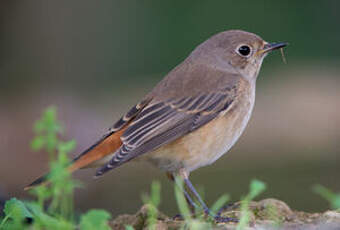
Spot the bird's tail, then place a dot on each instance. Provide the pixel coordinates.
(97, 155)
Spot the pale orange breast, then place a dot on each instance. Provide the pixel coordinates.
(205, 145)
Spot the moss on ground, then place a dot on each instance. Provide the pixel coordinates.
(265, 214)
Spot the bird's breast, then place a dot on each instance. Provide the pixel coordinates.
(208, 143)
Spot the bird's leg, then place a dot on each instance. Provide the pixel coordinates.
(207, 211)
(193, 206)
(185, 176)
(197, 196)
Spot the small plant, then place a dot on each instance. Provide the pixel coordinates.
(153, 202)
(327, 194)
(256, 188)
(273, 214)
(48, 129)
(16, 210)
(58, 213)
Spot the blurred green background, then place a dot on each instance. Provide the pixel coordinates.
(95, 59)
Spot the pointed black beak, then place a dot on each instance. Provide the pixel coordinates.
(273, 46)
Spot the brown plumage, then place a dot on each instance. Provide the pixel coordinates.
(193, 116)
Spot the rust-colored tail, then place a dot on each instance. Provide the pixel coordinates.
(91, 157)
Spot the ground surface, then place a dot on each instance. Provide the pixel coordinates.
(265, 214)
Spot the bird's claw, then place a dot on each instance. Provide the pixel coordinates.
(220, 219)
(177, 217)
(227, 206)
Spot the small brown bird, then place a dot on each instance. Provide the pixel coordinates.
(192, 117)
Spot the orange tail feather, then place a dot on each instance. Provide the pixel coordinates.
(104, 148)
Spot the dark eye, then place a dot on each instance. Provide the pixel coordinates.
(244, 50)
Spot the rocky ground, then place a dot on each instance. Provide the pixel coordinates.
(265, 214)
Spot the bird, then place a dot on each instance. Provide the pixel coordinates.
(190, 118)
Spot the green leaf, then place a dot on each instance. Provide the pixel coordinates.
(327, 194)
(155, 193)
(38, 143)
(45, 221)
(129, 227)
(256, 188)
(17, 212)
(42, 193)
(50, 115)
(34, 208)
(220, 202)
(66, 147)
(95, 219)
(336, 202)
(16, 209)
(324, 192)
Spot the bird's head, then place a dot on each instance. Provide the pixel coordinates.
(237, 50)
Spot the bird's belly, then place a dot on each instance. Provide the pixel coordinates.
(205, 145)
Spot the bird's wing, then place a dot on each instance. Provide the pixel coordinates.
(163, 121)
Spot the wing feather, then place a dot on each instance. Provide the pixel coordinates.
(162, 122)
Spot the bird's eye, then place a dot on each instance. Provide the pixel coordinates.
(244, 50)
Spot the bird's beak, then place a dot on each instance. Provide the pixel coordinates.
(273, 46)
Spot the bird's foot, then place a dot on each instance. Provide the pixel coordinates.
(225, 207)
(177, 217)
(221, 219)
(217, 218)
